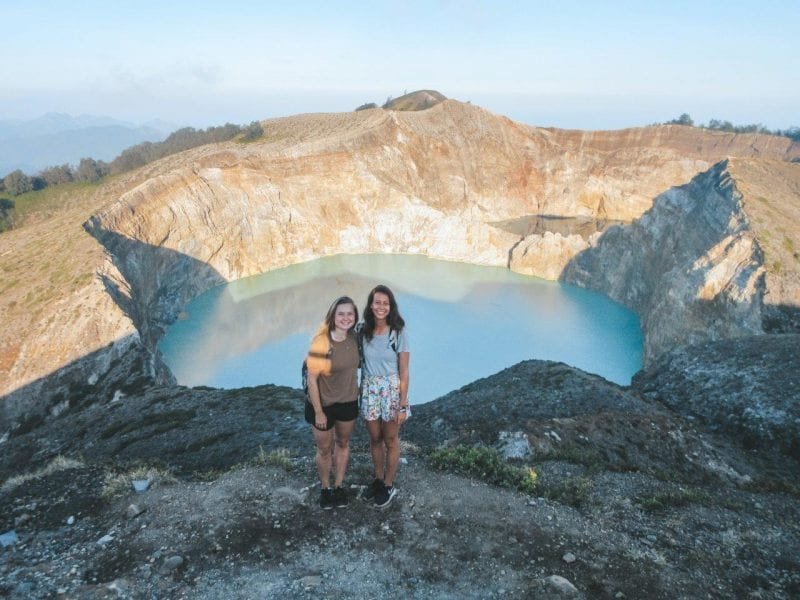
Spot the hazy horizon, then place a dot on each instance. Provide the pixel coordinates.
(578, 65)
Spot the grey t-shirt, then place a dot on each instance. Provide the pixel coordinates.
(379, 358)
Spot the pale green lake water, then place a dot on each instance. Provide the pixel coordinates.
(465, 322)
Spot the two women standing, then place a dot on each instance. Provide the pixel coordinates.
(333, 392)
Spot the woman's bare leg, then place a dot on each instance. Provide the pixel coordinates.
(376, 447)
(341, 456)
(324, 458)
(390, 431)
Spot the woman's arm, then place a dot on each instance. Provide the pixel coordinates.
(402, 371)
(320, 420)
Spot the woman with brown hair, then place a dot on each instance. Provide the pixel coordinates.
(332, 405)
(384, 389)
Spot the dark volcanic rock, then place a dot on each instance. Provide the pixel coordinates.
(187, 429)
(514, 399)
(749, 387)
(642, 498)
(571, 415)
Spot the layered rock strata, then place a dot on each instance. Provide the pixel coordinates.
(431, 182)
(435, 182)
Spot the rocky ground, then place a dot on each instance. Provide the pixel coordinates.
(630, 500)
(749, 388)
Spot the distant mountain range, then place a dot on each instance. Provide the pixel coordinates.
(58, 138)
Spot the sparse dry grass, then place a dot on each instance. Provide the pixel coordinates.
(677, 497)
(280, 457)
(48, 256)
(41, 205)
(771, 191)
(59, 463)
(119, 484)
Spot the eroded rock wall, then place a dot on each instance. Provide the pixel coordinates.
(434, 182)
(691, 267)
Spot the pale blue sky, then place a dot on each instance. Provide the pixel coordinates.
(587, 65)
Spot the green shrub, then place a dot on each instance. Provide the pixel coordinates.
(252, 132)
(572, 491)
(6, 214)
(485, 463)
(280, 457)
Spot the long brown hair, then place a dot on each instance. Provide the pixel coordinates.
(318, 359)
(393, 319)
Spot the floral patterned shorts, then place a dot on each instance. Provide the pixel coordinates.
(380, 397)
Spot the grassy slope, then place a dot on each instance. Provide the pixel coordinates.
(46, 257)
(771, 191)
(49, 256)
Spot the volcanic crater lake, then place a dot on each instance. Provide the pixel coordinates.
(465, 322)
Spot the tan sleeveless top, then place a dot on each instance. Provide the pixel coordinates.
(341, 384)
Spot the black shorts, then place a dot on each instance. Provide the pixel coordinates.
(341, 411)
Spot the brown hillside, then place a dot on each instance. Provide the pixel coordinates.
(419, 100)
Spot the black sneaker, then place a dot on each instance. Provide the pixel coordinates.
(326, 499)
(385, 496)
(369, 492)
(340, 497)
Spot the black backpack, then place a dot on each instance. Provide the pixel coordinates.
(304, 369)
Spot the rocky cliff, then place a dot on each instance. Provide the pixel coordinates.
(435, 182)
(690, 267)
(704, 262)
(453, 182)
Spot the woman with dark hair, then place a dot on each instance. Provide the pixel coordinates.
(333, 396)
(384, 389)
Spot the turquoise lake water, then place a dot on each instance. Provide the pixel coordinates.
(465, 322)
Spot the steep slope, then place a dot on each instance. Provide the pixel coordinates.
(701, 264)
(54, 309)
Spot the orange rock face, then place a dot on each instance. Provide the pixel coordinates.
(435, 182)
